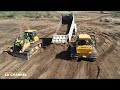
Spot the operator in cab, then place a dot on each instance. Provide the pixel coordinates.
(18, 44)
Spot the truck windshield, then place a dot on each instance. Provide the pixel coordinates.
(84, 42)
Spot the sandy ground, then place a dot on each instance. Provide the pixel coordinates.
(53, 62)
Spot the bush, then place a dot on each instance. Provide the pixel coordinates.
(30, 14)
(11, 14)
(101, 12)
(48, 14)
(115, 13)
(8, 14)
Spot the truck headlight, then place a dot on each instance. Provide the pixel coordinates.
(90, 52)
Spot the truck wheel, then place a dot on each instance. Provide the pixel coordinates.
(92, 59)
(74, 59)
(79, 59)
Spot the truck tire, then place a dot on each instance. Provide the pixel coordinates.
(74, 60)
(92, 59)
(79, 59)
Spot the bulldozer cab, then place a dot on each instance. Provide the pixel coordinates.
(31, 36)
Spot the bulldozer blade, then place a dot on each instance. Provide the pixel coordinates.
(23, 56)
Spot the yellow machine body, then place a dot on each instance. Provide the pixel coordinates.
(31, 44)
(84, 50)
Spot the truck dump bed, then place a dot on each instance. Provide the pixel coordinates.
(65, 29)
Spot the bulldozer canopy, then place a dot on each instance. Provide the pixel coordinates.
(30, 30)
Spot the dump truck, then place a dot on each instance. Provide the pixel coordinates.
(84, 46)
(66, 29)
(79, 45)
(29, 46)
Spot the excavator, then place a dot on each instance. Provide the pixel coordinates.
(29, 46)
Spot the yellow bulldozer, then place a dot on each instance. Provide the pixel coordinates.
(83, 47)
(26, 46)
